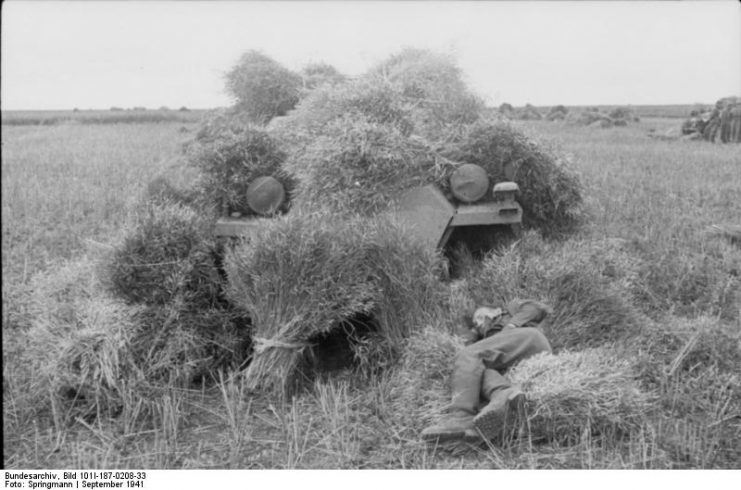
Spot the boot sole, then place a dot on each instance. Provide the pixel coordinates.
(444, 436)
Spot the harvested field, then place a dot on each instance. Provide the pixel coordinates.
(325, 337)
(645, 252)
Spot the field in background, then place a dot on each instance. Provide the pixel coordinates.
(141, 116)
(117, 116)
(653, 111)
(66, 187)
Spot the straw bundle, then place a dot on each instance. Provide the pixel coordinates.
(528, 113)
(304, 276)
(573, 392)
(583, 282)
(94, 354)
(262, 87)
(550, 192)
(359, 165)
(557, 113)
(166, 253)
(374, 102)
(624, 114)
(230, 156)
(432, 86)
(317, 74)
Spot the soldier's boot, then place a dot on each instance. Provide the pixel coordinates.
(501, 412)
(456, 426)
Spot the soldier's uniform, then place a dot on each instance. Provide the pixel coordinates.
(478, 369)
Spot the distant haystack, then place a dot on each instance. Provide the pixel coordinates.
(557, 113)
(506, 109)
(625, 114)
(602, 123)
(528, 113)
(591, 118)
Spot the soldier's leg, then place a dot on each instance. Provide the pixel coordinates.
(492, 381)
(505, 401)
(497, 352)
(466, 383)
(509, 347)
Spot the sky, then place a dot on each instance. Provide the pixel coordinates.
(99, 54)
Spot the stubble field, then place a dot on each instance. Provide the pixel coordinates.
(65, 193)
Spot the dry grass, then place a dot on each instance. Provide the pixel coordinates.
(592, 390)
(166, 253)
(420, 388)
(306, 276)
(230, 155)
(550, 190)
(90, 355)
(357, 167)
(51, 118)
(645, 241)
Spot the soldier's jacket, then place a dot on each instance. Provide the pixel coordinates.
(518, 313)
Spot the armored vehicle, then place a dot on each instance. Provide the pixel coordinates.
(430, 213)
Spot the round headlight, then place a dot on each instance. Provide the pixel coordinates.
(265, 195)
(469, 182)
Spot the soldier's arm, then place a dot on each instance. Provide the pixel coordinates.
(526, 311)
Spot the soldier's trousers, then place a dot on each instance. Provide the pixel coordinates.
(478, 368)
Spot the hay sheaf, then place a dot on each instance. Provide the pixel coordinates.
(165, 252)
(359, 166)
(582, 281)
(551, 193)
(572, 392)
(557, 113)
(304, 276)
(262, 87)
(527, 113)
(357, 100)
(81, 361)
(230, 156)
(405, 123)
(432, 86)
(96, 355)
(317, 74)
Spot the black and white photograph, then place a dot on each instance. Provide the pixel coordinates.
(369, 235)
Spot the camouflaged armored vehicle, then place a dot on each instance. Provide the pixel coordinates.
(431, 214)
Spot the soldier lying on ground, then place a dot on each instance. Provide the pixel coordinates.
(500, 340)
